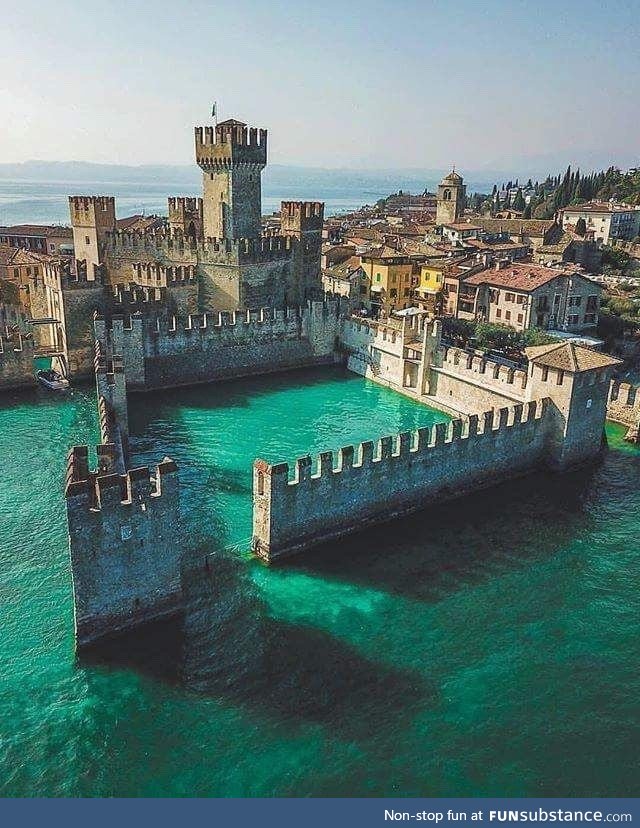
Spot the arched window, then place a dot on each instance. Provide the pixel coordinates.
(446, 196)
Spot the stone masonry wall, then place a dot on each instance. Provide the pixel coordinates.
(16, 360)
(124, 546)
(169, 352)
(405, 473)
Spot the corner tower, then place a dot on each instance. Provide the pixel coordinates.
(451, 196)
(231, 157)
(92, 217)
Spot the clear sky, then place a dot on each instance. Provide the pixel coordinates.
(349, 83)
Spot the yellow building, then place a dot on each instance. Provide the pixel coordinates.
(429, 285)
(391, 279)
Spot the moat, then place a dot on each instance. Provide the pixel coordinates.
(486, 647)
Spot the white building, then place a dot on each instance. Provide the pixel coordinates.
(607, 220)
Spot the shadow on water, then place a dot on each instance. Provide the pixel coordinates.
(228, 647)
(433, 553)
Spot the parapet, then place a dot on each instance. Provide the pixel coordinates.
(92, 211)
(228, 144)
(98, 492)
(153, 274)
(301, 216)
(461, 362)
(404, 445)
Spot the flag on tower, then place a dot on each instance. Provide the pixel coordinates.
(213, 110)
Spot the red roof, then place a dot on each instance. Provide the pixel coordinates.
(520, 275)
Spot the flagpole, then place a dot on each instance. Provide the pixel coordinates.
(214, 113)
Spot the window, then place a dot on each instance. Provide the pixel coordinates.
(393, 293)
(520, 299)
(590, 318)
(520, 317)
(378, 277)
(406, 292)
(560, 377)
(545, 373)
(498, 313)
(87, 240)
(507, 315)
(16, 272)
(509, 297)
(574, 318)
(575, 301)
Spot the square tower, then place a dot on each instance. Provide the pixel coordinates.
(231, 157)
(92, 217)
(450, 201)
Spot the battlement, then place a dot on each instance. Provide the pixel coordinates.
(153, 274)
(60, 274)
(124, 540)
(376, 481)
(132, 297)
(95, 491)
(92, 211)
(172, 244)
(492, 372)
(229, 144)
(301, 216)
(184, 204)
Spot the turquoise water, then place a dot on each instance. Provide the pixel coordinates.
(487, 647)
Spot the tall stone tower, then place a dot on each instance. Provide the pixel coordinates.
(451, 196)
(92, 217)
(304, 221)
(231, 158)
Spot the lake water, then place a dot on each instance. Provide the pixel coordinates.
(46, 201)
(488, 647)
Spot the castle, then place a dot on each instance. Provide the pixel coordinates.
(206, 297)
(209, 256)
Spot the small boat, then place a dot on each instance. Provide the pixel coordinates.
(52, 380)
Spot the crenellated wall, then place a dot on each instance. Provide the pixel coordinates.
(166, 352)
(124, 543)
(124, 530)
(371, 483)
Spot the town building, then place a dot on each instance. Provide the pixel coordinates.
(524, 295)
(607, 220)
(391, 280)
(51, 239)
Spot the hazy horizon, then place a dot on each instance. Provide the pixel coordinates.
(373, 85)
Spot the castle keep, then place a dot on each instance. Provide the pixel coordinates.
(211, 255)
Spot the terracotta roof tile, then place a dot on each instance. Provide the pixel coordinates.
(567, 356)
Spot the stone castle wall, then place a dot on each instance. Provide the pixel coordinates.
(16, 359)
(166, 352)
(374, 483)
(623, 406)
(124, 546)
(124, 524)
